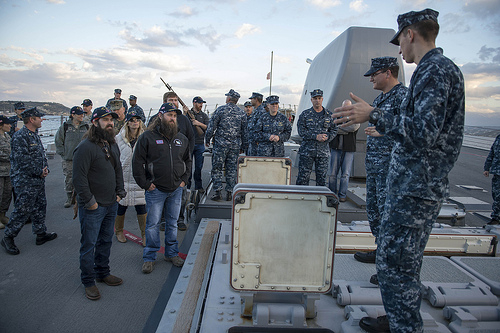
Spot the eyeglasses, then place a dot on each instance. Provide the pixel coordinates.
(377, 73)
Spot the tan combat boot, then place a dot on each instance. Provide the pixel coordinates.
(119, 222)
(142, 225)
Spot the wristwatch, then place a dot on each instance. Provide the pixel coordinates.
(375, 116)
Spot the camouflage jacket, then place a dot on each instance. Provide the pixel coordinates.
(228, 127)
(257, 112)
(428, 132)
(18, 122)
(268, 125)
(378, 149)
(4, 155)
(312, 123)
(27, 158)
(492, 163)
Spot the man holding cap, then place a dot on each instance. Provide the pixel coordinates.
(136, 109)
(118, 97)
(383, 75)
(316, 128)
(98, 182)
(427, 135)
(68, 136)
(18, 109)
(258, 110)
(272, 130)
(228, 128)
(87, 108)
(161, 165)
(28, 171)
(201, 121)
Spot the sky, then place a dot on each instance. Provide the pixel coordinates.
(65, 51)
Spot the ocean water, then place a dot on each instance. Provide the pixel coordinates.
(50, 125)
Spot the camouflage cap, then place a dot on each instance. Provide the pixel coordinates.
(118, 91)
(273, 99)
(32, 112)
(5, 120)
(115, 105)
(256, 95)
(86, 102)
(132, 97)
(233, 94)
(198, 99)
(412, 17)
(77, 110)
(19, 106)
(381, 63)
(247, 103)
(102, 112)
(168, 107)
(316, 92)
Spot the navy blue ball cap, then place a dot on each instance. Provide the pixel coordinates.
(412, 17)
(102, 112)
(381, 63)
(198, 99)
(316, 92)
(86, 102)
(132, 97)
(233, 94)
(19, 106)
(5, 120)
(248, 103)
(255, 95)
(77, 110)
(273, 99)
(132, 114)
(168, 107)
(118, 91)
(32, 112)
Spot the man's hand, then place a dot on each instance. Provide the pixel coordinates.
(371, 131)
(93, 207)
(118, 198)
(353, 114)
(45, 172)
(182, 184)
(185, 108)
(486, 173)
(151, 187)
(196, 122)
(321, 137)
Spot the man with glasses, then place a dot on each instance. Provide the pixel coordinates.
(87, 108)
(98, 182)
(383, 75)
(29, 168)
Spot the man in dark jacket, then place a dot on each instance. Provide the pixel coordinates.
(98, 182)
(161, 165)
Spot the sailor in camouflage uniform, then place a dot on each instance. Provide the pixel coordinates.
(228, 128)
(135, 109)
(258, 110)
(492, 166)
(317, 129)
(118, 95)
(383, 74)
(428, 135)
(272, 130)
(28, 171)
(18, 109)
(249, 111)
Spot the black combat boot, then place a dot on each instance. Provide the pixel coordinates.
(229, 196)
(367, 257)
(216, 196)
(9, 245)
(45, 237)
(375, 325)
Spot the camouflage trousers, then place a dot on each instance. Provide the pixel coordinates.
(228, 158)
(495, 192)
(30, 203)
(5, 193)
(404, 232)
(305, 168)
(376, 191)
(67, 167)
